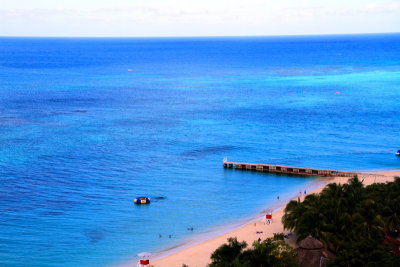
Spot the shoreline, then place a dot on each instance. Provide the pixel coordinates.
(231, 226)
(197, 251)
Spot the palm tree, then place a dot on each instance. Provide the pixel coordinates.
(293, 212)
(226, 254)
(347, 214)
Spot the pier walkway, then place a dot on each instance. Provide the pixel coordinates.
(285, 169)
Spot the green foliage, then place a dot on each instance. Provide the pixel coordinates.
(272, 252)
(227, 253)
(279, 236)
(351, 220)
(366, 253)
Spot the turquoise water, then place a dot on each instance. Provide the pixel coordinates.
(88, 124)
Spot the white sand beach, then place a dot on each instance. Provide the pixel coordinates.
(199, 255)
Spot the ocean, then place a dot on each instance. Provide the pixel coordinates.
(88, 124)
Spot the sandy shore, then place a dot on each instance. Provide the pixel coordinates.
(199, 255)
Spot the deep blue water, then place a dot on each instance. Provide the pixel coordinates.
(86, 125)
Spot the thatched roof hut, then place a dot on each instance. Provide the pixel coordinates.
(311, 253)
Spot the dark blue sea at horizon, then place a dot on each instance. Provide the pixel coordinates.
(86, 125)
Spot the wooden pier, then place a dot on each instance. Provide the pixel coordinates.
(285, 169)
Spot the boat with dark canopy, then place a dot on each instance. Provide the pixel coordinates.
(142, 200)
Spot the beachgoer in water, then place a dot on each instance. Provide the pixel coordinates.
(159, 235)
(305, 192)
(277, 197)
(169, 236)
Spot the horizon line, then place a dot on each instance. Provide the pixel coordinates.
(197, 36)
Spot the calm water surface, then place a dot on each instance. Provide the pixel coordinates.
(86, 125)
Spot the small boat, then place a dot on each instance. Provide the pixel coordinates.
(142, 200)
(398, 153)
